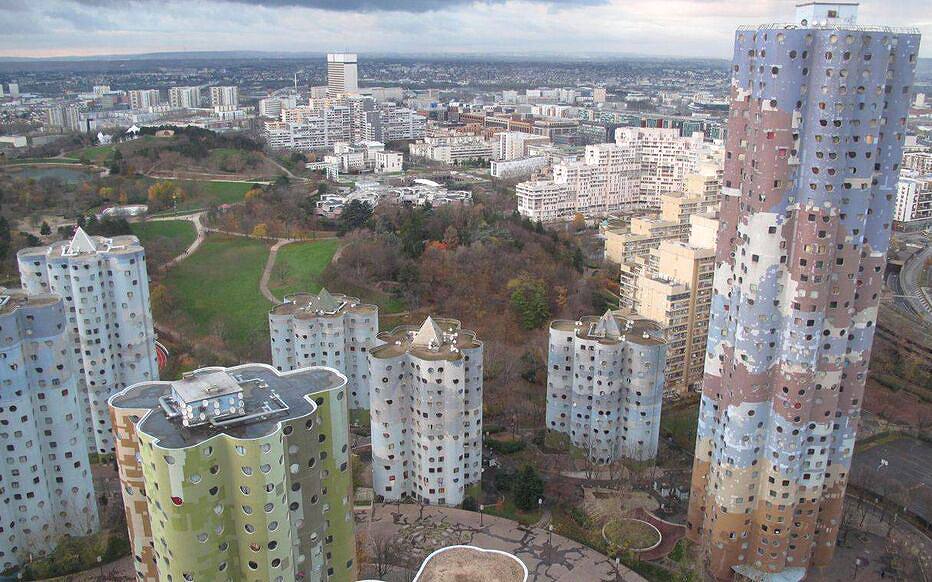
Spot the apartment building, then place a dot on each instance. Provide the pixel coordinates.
(325, 329)
(605, 385)
(513, 145)
(184, 97)
(46, 476)
(309, 130)
(913, 198)
(451, 148)
(918, 161)
(631, 173)
(673, 287)
(239, 473)
(342, 74)
(224, 97)
(144, 98)
(105, 286)
(665, 159)
(272, 107)
(517, 167)
(818, 117)
(425, 387)
(643, 233)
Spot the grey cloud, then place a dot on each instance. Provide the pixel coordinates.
(378, 5)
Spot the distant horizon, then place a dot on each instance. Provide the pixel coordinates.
(72, 29)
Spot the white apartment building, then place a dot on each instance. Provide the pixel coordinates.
(105, 286)
(321, 329)
(366, 156)
(342, 75)
(913, 197)
(48, 488)
(513, 145)
(184, 97)
(386, 121)
(311, 130)
(605, 385)
(517, 167)
(452, 148)
(226, 97)
(425, 386)
(631, 173)
(272, 107)
(388, 162)
(919, 161)
(64, 116)
(144, 98)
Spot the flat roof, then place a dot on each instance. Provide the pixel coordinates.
(435, 339)
(13, 299)
(258, 381)
(628, 325)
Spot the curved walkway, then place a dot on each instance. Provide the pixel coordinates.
(199, 228)
(269, 265)
(548, 558)
(670, 534)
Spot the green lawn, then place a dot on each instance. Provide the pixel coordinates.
(217, 288)
(23, 161)
(97, 154)
(298, 266)
(203, 194)
(180, 232)
(681, 424)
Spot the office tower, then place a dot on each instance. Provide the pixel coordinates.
(342, 77)
(144, 98)
(184, 97)
(14, 90)
(815, 134)
(425, 386)
(224, 97)
(326, 330)
(238, 473)
(48, 491)
(105, 286)
(672, 285)
(605, 385)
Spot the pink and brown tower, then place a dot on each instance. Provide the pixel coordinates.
(815, 137)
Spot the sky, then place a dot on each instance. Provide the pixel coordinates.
(677, 28)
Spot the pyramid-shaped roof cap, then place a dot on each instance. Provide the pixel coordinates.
(430, 334)
(327, 302)
(82, 243)
(608, 326)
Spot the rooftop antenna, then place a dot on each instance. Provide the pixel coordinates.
(296, 82)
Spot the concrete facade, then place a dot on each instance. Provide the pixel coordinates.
(815, 135)
(336, 331)
(605, 385)
(48, 490)
(105, 287)
(238, 473)
(426, 416)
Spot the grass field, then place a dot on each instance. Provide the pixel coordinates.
(24, 161)
(97, 154)
(181, 232)
(217, 288)
(681, 424)
(298, 266)
(203, 194)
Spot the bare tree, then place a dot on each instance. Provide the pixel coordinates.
(382, 549)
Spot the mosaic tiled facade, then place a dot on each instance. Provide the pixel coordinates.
(238, 474)
(815, 136)
(605, 385)
(326, 329)
(105, 286)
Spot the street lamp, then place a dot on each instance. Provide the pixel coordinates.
(100, 564)
(481, 507)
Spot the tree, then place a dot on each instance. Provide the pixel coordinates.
(529, 299)
(579, 221)
(45, 229)
(528, 487)
(383, 548)
(261, 230)
(355, 215)
(164, 193)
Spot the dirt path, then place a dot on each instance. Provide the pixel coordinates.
(269, 265)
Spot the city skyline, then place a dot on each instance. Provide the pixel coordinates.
(701, 28)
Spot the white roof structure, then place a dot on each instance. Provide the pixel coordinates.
(81, 243)
(430, 334)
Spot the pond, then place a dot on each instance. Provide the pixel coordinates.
(65, 174)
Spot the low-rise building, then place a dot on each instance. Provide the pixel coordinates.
(238, 472)
(426, 417)
(452, 148)
(517, 167)
(321, 329)
(605, 385)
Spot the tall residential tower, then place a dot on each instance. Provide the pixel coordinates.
(426, 417)
(815, 136)
(342, 77)
(238, 473)
(105, 286)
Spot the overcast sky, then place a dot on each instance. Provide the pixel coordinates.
(650, 27)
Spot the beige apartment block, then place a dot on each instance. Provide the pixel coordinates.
(644, 233)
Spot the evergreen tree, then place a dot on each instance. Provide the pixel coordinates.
(528, 487)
